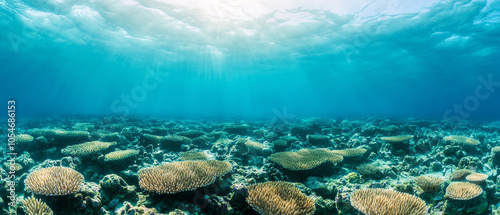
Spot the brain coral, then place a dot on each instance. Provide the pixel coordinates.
(350, 152)
(181, 176)
(429, 183)
(119, 155)
(397, 139)
(54, 181)
(279, 197)
(305, 159)
(87, 148)
(33, 206)
(463, 191)
(461, 139)
(385, 201)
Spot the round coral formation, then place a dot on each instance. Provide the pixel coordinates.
(305, 159)
(384, 201)
(429, 183)
(279, 197)
(54, 181)
(24, 138)
(476, 178)
(181, 176)
(34, 206)
(463, 191)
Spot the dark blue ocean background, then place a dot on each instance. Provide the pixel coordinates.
(252, 59)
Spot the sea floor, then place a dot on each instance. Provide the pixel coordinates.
(141, 165)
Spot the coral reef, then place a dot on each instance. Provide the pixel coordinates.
(140, 165)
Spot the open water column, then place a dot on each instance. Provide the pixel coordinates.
(250, 107)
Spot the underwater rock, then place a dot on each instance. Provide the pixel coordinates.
(301, 131)
(237, 129)
(174, 142)
(319, 140)
(129, 209)
(370, 130)
(203, 142)
(191, 133)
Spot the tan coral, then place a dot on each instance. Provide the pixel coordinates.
(460, 174)
(476, 178)
(181, 176)
(429, 183)
(87, 148)
(152, 138)
(305, 159)
(254, 146)
(397, 139)
(385, 201)
(24, 138)
(34, 206)
(120, 155)
(54, 181)
(350, 152)
(279, 197)
(16, 167)
(457, 139)
(463, 191)
(495, 150)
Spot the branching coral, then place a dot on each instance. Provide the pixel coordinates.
(350, 152)
(463, 191)
(54, 181)
(397, 139)
(457, 139)
(24, 138)
(119, 155)
(193, 156)
(279, 197)
(34, 206)
(181, 176)
(87, 148)
(476, 178)
(429, 183)
(384, 201)
(305, 159)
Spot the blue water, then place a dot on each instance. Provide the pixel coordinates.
(252, 59)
